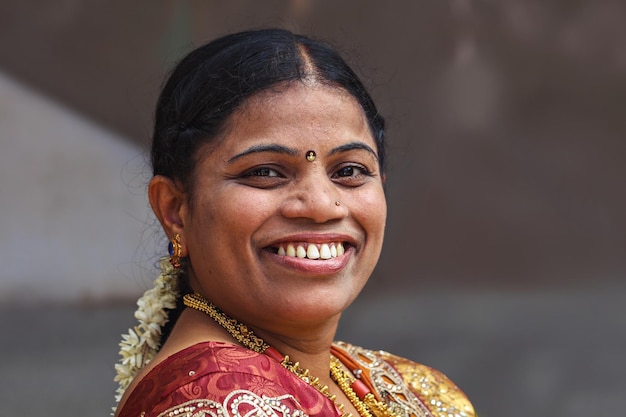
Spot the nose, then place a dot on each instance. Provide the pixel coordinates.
(316, 198)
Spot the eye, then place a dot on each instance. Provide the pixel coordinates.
(262, 172)
(351, 171)
(352, 175)
(262, 177)
(348, 171)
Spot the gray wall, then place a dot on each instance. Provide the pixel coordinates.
(73, 204)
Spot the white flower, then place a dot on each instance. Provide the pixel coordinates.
(142, 342)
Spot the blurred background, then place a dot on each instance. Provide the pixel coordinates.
(504, 258)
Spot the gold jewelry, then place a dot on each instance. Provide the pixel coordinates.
(175, 249)
(239, 331)
(369, 404)
(310, 156)
(244, 335)
(337, 203)
(343, 380)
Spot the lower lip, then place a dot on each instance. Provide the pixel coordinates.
(314, 266)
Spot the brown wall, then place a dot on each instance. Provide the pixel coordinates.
(506, 118)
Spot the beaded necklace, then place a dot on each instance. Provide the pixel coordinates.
(355, 390)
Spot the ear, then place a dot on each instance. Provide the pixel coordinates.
(169, 204)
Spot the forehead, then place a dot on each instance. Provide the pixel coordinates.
(299, 115)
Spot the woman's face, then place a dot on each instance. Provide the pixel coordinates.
(259, 205)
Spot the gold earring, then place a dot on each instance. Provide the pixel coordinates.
(175, 249)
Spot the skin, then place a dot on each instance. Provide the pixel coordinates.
(254, 190)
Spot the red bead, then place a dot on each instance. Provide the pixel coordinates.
(360, 388)
(274, 354)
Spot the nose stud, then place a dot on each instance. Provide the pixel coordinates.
(337, 203)
(310, 156)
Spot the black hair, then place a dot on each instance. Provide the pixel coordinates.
(213, 81)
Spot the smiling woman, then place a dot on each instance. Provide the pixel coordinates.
(268, 158)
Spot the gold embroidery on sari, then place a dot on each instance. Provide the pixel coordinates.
(410, 389)
(440, 394)
(388, 383)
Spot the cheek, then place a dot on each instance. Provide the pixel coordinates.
(240, 212)
(372, 212)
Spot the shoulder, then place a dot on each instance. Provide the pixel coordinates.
(390, 375)
(215, 377)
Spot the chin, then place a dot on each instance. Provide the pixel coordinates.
(317, 306)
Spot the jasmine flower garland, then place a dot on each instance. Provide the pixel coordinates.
(139, 346)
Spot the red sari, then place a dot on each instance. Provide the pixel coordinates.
(222, 379)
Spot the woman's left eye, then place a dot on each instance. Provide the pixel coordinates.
(352, 171)
(351, 175)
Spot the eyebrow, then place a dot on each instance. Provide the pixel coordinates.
(351, 146)
(294, 152)
(265, 148)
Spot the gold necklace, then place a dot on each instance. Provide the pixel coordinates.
(366, 406)
(246, 337)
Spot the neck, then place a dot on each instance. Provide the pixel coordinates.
(309, 346)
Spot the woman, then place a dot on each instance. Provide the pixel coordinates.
(268, 158)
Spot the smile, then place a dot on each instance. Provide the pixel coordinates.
(312, 251)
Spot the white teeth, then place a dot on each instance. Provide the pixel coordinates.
(313, 251)
(324, 251)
